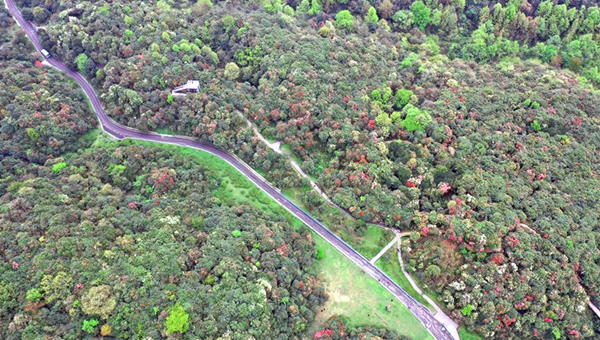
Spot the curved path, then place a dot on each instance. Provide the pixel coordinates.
(120, 132)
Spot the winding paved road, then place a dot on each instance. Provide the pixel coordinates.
(120, 132)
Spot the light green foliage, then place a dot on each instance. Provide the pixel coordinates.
(206, 3)
(81, 59)
(372, 15)
(166, 37)
(402, 97)
(386, 94)
(383, 120)
(33, 295)
(324, 31)
(345, 20)
(178, 320)
(104, 9)
(229, 22)
(89, 326)
(303, 7)
(273, 6)
(170, 99)
(556, 333)
(236, 233)
(315, 7)
(536, 126)
(467, 310)
(289, 10)
(58, 167)
(232, 71)
(99, 301)
(416, 119)
(33, 134)
(409, 60)
(320, 253)
(128, 20)
(128, 35)
(421, 14)
(56, 287)
(376, 96)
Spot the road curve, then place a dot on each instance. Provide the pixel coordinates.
(121, 132)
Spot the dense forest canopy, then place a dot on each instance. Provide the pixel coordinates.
(473, 123)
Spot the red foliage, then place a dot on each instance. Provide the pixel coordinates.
(410, 184)
(38, 63)
(498, 259)
(371, 124)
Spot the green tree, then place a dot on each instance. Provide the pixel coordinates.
(421, 14)
(177, 320)
(33, 134)
(232, 71)
(372, 15)
(303, 7)
(89, 326)
(345, 20)
(33, 295)
(416, 119)
(315, 7)
(81, 59)
(402, 97)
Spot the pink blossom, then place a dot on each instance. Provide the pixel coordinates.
(79, 286)
(445, 187)
(15, 264)
(326, 332)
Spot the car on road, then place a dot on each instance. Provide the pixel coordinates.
(46, 54)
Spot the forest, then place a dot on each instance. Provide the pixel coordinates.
(474, 124)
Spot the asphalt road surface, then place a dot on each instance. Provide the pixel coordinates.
(119, 131)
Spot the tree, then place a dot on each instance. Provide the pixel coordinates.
(81, 60)
(345, 20)
(232, 71)
(315, 7)
(421, 14)
(402, 97)
(178, 320)
(415, 119)
(372, 16)
(386, 8)
(303, 7)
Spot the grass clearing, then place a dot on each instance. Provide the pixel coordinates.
(354, 294)
(466, 334)
(390, 265)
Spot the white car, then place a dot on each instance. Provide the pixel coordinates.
(46, 54)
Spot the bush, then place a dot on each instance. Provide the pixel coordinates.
(178, 320)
